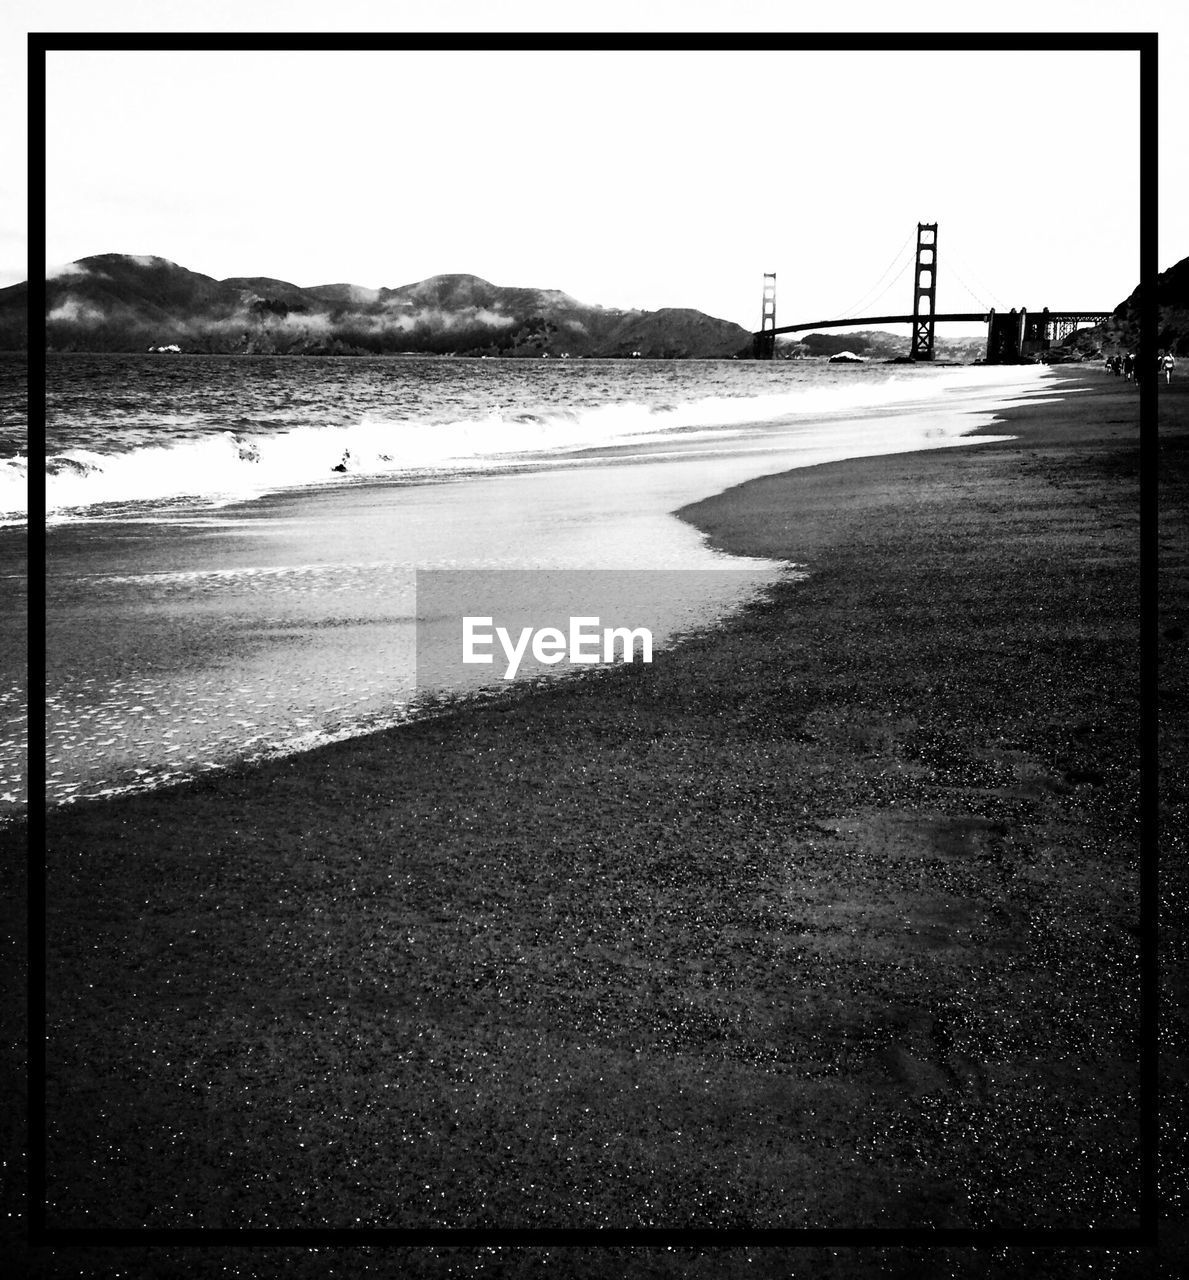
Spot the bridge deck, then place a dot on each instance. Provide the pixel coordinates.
(967, 317)
(841, 324)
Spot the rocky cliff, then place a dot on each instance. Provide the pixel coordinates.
(1121, 332)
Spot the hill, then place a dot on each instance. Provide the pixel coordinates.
(1121, 332)
(880, 344)
(121, 302)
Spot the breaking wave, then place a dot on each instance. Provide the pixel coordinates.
(218, 464)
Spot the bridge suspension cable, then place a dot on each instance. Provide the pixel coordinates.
(896, 282)
(977, 298)
(986, 292)
(869, 298)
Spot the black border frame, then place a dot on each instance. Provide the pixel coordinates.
(1144, 1235)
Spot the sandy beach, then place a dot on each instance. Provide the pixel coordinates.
(184, 638)
(829, 918)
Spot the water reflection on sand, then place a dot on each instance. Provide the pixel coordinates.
(272, 625)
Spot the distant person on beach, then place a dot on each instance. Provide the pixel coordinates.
(1168, 364)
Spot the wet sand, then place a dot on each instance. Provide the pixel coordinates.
(828, 919)
(177, 648)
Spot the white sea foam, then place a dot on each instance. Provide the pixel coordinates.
(14, 489)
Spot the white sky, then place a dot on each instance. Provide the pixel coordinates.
(631, 179)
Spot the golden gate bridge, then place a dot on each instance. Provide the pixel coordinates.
(1011, 336)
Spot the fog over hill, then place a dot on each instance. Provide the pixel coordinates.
(121, 302)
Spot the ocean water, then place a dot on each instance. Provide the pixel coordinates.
(233, 543)
(140, 435)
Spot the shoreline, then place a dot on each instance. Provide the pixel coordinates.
(854, 871)
(164, 643)
(231, 483)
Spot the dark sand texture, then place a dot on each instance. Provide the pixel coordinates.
(827, 919)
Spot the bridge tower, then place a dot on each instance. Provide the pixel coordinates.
(924, 293)
(765, 343)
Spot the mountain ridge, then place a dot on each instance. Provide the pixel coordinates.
(125, 302)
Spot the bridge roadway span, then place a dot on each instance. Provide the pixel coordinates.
(982, 317)
(839, 324)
